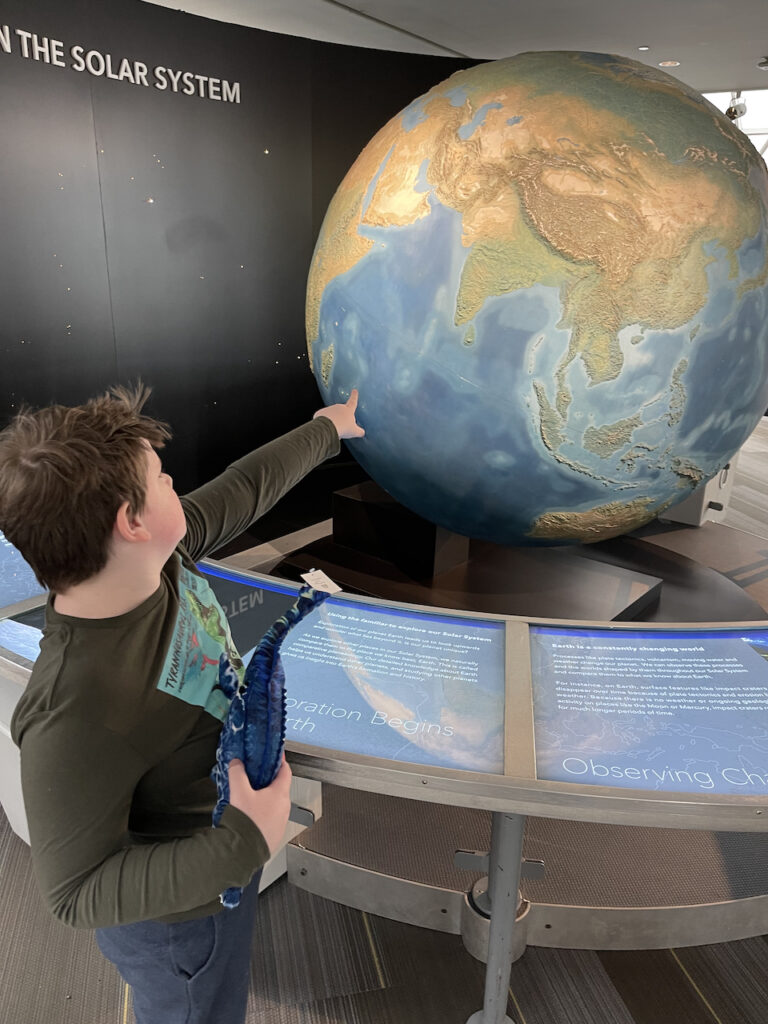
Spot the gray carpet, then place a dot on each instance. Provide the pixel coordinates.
(317, 962)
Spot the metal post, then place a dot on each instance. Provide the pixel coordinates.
(503, 889)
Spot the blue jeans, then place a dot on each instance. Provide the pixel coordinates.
(190, 972)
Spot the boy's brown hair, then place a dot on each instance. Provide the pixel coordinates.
(64, 473)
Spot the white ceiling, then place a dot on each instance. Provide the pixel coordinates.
(718, 42)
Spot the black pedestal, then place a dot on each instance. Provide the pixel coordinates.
(382, 549)
(367, 519)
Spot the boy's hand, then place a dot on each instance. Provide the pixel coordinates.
(343, 417)
(267, 808)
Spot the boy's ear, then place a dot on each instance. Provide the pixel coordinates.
(129, 526)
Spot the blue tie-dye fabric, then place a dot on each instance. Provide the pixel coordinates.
(254, 729)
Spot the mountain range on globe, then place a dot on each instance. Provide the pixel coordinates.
(548, 279)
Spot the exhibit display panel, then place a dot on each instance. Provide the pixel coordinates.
(649, 725)
(671, 710)
(21, 611)
(17, 581)
(602, 724)
(20, 639)
(378, 680)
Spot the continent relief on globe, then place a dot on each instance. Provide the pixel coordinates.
(623, 193)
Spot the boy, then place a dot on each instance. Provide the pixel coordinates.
(119, 724)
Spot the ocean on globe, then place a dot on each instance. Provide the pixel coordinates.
(548, 279)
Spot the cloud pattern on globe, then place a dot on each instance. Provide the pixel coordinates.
(548, 279)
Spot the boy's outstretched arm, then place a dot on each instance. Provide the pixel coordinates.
(221, 510)
(343, 417)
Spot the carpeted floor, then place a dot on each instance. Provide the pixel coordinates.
(317, 962)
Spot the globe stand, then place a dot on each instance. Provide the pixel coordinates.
(366, 518)
(379, 547)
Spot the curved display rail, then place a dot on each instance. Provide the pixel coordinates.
(530, 672)
(502, 714)
(474, 710)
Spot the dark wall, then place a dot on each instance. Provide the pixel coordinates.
(147, 233)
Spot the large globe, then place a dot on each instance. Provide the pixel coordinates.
(548, 279)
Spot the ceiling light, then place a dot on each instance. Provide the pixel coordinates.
(763, 64)
(669, 63)
(643, 47)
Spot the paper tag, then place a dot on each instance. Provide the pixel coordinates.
(317, 579)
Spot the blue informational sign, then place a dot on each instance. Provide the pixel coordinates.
(17, 581)
(682, 711)
(20, 638)
(386, 682)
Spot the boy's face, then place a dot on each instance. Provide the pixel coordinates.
(163, 514)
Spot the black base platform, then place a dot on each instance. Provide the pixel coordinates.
(383, 550)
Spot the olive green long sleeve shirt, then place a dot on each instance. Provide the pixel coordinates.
(119, 725)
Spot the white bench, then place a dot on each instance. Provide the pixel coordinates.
(12, 684)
